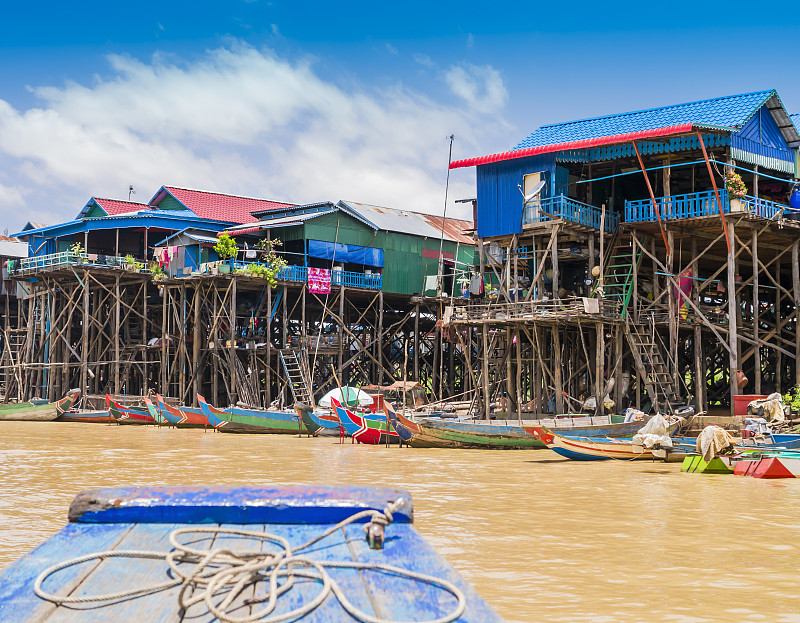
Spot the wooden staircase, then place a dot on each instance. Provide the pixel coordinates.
(14, 341)
(297, 375)
(658, 380)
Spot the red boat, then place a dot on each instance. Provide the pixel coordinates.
(128, 415)
(183, 417)
(374, 429)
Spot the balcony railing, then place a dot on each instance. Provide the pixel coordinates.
(54, 261)
(346, 278)
(694, 205)
(562, 207)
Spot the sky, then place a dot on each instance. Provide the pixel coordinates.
(307, 101)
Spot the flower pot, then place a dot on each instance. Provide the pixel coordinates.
(224, 269)
(736, 205)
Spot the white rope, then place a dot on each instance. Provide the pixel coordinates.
(220, 575)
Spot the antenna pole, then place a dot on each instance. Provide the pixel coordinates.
(440, 270)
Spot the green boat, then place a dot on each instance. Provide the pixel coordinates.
(240, 420)
(39, 410)
(694, 464)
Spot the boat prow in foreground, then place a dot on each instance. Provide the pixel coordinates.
(109, 521)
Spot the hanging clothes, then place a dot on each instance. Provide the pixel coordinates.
(319, 280)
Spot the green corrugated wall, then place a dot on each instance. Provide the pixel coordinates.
(404, 268)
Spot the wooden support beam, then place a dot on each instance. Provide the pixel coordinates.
(652, 195)
(733, 319)
(796, 292)
(716, 192)
(756, 311)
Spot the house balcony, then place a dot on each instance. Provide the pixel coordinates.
(346, 278)
(563, 208)
(65, 259)
(697, 205)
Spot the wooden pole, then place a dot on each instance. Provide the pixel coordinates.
(652, 195)
(728, 238)
(234, 387)
(518, 383)
(485, 371)
(733, 318)
(756, 313)
(196, 337)
(554, 260)
(559, 386)
(796, 293)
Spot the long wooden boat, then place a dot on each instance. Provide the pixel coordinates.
(124, 414)
(39, 411)
(101, 416)
(238, 420)
(431, 433)
(118, 520)
(595, 448)
(374, 429)
(318, 424)
(182, 417)
(153, 411)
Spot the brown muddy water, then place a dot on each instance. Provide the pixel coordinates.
(542, 539)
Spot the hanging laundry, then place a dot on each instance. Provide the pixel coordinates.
(319, 280)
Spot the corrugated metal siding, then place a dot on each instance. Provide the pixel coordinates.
(499, 198)
(762, 138)
(170, 203)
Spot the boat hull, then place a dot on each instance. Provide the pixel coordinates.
(181, 417)
(126, 415)
(30, 412)
(250, 420)
(450, 434)
(89, 417)
(375, 430)
(595, 449)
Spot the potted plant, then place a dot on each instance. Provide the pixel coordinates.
(736, 190)
(132, 264)
(226, 248)
(76, 248)
(157, 272)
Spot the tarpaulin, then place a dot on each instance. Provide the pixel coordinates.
(345, 253)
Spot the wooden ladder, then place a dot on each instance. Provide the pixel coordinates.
(653, 369)
(298, 379)
(618, 272)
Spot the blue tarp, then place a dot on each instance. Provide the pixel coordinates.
(346, 253)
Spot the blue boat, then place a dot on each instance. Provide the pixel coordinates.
(109, 529)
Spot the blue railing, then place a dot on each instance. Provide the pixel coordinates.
(562, 207)
(54, 261)
(700, 204)
(674, 207)
(368, 281)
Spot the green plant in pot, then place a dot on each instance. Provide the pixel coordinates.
(77, 250)
(226, 248)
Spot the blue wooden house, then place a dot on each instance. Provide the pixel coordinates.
(673, 229)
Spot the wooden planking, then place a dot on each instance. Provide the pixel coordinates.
(399, 598)
(16, 588)
(332, 548)
(199, 612)
(120, 574)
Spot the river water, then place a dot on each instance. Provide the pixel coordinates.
(542, 539)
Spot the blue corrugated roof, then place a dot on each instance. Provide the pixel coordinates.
(721, 112)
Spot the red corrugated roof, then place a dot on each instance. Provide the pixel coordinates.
(582, 144)
(219, 207)
(453, 228)
(114, 207)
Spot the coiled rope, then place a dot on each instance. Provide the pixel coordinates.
(223, 572)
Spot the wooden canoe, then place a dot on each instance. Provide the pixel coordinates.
(124, 414)
(595, 448)
(182, 417)
(374, 429)
(142, 518)
(317, 424)
(430, 433)
(237, 420)
(32, 412)
(92, 417)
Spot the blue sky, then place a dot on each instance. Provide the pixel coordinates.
(310, 101)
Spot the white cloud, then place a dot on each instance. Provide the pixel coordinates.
(481, 87)
(241, 121)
